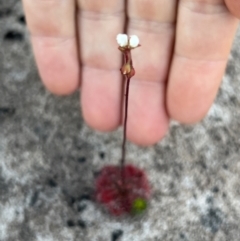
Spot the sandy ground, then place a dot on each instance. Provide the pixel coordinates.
(49, 157)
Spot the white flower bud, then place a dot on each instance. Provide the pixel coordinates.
(122, 40)
(134, 41)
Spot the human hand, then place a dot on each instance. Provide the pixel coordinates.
(185, 47)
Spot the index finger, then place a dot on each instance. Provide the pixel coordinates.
(53, 34)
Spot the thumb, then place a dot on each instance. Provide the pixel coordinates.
(234, 7)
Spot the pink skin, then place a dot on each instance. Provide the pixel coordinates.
(185, 47)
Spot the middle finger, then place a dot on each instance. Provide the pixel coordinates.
(101, 87)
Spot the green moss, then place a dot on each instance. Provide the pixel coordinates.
(139, 205)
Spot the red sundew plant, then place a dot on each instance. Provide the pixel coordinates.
(124, 189)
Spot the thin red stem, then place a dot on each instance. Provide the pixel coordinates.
(125, 129)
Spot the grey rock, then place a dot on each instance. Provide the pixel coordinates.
(48, 159)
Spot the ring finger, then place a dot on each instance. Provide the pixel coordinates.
(154, 23)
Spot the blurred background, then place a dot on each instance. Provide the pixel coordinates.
(49, 158)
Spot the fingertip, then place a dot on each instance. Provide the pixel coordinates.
(192, 88)
(62, 85)
(146, 136)
(57, 63)
(147, 118)
(99, 125)
(179, 112)
(234, 7)
(98, 120)
(101, 98)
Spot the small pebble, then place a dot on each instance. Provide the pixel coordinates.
(71, 200)
(81, 207)
(34, 198)
(116, 235)
(22, 20)
(215, 189)
(84, 197)
(82, 159)
(52, 183)
(81, 224)
(225, 166)
(182, 236)
(213, 219)
(102, 155)
(70, 223)
(227, 153)
(13, 35)
(7, 111)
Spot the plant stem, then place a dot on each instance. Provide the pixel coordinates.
(125, 129)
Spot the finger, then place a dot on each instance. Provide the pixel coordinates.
(100, 22)
(52, 29)
(234, 7)
(204, 35)
(154, 23)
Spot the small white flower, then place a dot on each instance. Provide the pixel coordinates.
(134, 41)
(122, 40)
